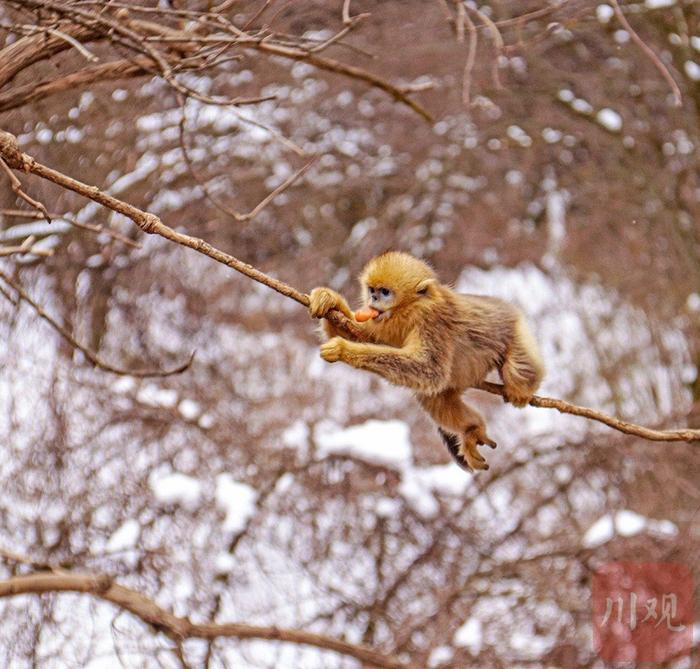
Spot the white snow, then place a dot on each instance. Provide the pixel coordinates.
(470, 636)
(609, 119)
(628, 523)
(421, 500)
(189, 409)
(125, 537)
(695, 42)
(237, 500)
(387, 507)
(152, 395)
(387, 444)
(565, 95)
(582, 106)
(693, 302)
(518, 135)
(625, 523)
(600, 532)
(692, 69)
(176, 488)
(380, 442)
(224, 563)
(206, 421)
(296, 435)
(38, 228)
(657, 4)
(440, 655)
(124, 384)
(604, 13)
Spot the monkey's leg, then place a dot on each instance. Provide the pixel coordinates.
(522, 369)
(455, 417)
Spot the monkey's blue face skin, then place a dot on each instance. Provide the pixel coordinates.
(381, 299)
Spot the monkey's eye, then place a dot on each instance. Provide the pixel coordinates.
(385, 292)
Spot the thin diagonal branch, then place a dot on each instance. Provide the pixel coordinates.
(180, 628)
(90, 355)
(151, 224)
(615, 423)
(16, 186)
(677, 98)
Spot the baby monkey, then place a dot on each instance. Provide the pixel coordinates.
(422, 335)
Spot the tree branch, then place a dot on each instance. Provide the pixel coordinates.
(176, 627)
(90, 355)
(151, 224)
(622, 426)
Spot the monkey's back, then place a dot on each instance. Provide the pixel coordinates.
(482, 328)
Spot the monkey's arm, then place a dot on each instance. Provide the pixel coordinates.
(321, 301)
(425, 369)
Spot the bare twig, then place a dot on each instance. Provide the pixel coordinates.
(90, 355)
(25, 248)
(471, 56)
(215, 201)
(16, 186)
(151, 224)
(64, 36)
(497, 38)
(346, 12)
(677, 97)
(280, 189)
(98, 229)
(179, 628)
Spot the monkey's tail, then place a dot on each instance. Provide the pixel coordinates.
(452, 443)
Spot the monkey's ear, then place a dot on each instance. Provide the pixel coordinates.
(424, 287)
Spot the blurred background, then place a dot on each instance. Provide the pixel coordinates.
(262, 485)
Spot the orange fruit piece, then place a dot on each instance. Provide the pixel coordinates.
(365, 314)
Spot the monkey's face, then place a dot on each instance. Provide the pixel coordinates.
(381, 298)
(394, 280)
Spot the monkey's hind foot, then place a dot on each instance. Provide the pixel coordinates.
(465, 454)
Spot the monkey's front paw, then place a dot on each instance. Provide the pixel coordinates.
(333, 349)
(323, 300)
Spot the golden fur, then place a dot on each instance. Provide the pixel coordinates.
(436, 342)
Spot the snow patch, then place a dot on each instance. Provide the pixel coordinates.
(604, 13)
(692, 70)
(609, 119)
(296, 435)
(470, 636)
(189, 409)
(237, 500)
(440, 655)
(658, 4)
(157, 397)
(625, 523)
(125, 537)
(176, 488)
(379, 442)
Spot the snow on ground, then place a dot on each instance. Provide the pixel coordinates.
(624, 523)
(384, 443)
(237, 500)
(176, 488)
(125, 537)
(388, 444)
(470, 636)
